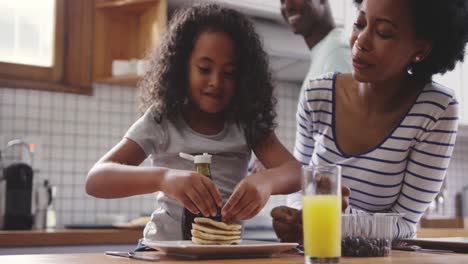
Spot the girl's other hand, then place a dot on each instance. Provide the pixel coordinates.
(248, 198)
(195, 191)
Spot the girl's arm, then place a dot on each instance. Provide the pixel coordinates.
(283, 170)
(117, 175)
(282, 176)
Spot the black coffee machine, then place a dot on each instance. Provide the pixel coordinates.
(16, 180)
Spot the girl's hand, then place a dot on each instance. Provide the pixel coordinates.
(248, 198)
(195, 191)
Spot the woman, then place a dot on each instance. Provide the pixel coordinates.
(387, 124)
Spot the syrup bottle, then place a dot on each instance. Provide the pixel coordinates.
(202, 166)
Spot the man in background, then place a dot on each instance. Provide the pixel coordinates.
(329, 52)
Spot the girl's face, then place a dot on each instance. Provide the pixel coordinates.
(211, 72)
(383, 41)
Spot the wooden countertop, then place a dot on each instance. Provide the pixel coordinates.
(52, 237)
(398, 257)
(129, 236)
(443, 232)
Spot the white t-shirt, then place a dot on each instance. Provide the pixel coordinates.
(331, 54)
(404, 172)
(163, 141)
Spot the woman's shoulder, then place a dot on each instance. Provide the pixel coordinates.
(436, 97)
(439, 92)
(435, 103)
(320, 86)
(322, 79)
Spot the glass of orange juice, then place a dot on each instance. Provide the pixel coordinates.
(321, 194)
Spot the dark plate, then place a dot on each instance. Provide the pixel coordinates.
(457, 244)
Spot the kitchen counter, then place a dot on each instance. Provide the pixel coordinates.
(130, 236)
(396, 257)
(52, 237)
(443, 232)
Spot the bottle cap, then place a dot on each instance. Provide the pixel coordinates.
(205, 158)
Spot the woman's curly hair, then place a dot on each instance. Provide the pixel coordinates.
(164, 87)
(445, 24)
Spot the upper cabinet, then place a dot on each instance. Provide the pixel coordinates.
(124, 30)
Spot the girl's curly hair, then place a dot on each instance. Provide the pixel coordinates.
(164, 87)
(445, 24)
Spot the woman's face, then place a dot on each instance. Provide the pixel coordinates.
(211, 72)
(383, 41)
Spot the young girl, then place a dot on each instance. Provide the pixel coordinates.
(208, 90)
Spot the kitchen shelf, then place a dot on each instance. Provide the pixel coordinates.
(126, 6)
(122, 3)
(125, 30)
(125, 80)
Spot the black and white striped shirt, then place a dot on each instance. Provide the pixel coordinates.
(404, 172)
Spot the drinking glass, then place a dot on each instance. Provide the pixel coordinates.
(321, 193)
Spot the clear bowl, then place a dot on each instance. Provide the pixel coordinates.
(367, 235)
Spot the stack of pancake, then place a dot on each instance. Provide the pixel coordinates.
(206, 231)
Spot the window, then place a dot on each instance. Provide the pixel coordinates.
(46, 44)
(28, 32)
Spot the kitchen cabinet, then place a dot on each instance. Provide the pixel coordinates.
(53, 241)
(56, 237)
(124, 30)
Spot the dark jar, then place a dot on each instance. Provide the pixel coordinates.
(202, 165)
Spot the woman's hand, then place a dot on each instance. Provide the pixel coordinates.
(195, 191)
(287, 223)
(248, 198)
(323, 186)
(345, 192)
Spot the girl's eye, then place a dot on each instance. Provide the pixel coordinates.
(385, 35)
(358, 26)
(229, 74)
(203, 69)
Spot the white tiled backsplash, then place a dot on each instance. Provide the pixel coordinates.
(73, 131)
